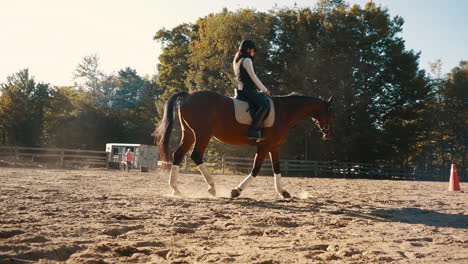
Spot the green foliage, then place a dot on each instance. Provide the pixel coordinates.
(124, 111)
(455, 113)
(443, 140)
(88, 76)
(173, 65)
(114, 108)
(73, 120)
(217, 39)
(22, 104)
(130, 90)
(134, 105)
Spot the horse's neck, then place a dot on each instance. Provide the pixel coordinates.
(298, 108)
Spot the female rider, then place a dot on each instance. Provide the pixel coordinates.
(249, 87)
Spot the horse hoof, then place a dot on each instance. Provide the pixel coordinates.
(285, 195)
(235, 193)
(176, 192)
(212, 190)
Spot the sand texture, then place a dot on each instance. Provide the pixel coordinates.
(98, 216)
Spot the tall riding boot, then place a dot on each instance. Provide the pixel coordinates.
(254, 130)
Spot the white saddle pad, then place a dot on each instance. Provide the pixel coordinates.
(243, 117)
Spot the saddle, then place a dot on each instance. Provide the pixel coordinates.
(244, 112)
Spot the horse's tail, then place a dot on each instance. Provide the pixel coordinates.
(163, 132)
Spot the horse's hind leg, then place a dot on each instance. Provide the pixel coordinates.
(185, 143)
(197, 156)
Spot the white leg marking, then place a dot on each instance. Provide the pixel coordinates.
(208, 179)
(206, 174)
(174, 174)
(278, 185)
(246, 182)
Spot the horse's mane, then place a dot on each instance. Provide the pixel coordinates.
(297, 95)
(289, 95)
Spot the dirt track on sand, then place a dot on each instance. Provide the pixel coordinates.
(98, 216)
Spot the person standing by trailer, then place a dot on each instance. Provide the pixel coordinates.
(129, 158)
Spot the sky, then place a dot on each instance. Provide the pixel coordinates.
(51, 37)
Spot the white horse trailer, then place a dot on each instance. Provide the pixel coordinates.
(145, 157)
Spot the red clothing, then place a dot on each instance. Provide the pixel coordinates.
(129, 156)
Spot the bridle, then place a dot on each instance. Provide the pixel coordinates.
(325, 128)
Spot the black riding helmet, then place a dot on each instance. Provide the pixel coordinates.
(247, 44)
(242, 53)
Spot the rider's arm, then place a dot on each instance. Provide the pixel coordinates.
(248, 65)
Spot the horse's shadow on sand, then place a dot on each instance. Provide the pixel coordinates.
(422, 216)
(402, 215)
(281, 205)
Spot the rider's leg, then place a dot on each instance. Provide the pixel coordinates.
(255, 127)
(262, 105)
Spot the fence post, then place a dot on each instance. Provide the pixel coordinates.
(222, 163)
(108, 156)
(316, 168)
(62, 153)
(16, 153)
(286, 168)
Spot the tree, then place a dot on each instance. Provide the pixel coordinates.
(429, 146)
(22, 104)
(131, 89)
(89, 77)
(329, 6)
(218, 37)
(68, 121)
(455, 113)
(174, 67)
(75, 120)
(444, 140)
(134, 105)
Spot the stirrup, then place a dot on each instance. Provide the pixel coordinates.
(257, 137)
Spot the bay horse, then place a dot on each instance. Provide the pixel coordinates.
(206, 114)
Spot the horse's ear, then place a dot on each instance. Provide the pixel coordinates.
(330, 99)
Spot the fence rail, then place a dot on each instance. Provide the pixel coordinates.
(308, 168)
(59, 156)
(240, 165)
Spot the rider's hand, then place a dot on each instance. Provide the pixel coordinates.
(267, 92)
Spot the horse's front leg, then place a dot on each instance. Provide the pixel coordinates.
(259, 158)
(275, 163)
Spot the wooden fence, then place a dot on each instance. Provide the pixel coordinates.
(335, 169)
(60, 157)
(237, 165)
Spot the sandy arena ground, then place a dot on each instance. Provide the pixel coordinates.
(99, 216)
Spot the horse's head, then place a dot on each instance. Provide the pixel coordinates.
(324, 119)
